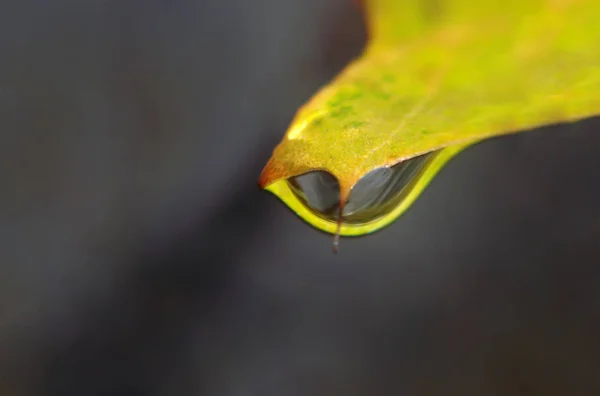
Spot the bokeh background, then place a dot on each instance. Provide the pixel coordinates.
(138, 256)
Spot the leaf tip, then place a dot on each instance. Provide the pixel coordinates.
(269, 174)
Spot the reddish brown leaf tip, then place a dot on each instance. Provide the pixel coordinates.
(268, 174)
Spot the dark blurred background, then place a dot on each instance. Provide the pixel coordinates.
(138, 256)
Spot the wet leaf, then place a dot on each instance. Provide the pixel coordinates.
(435, 77)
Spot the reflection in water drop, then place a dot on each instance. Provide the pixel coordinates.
(318, 190)
(375, 195)
(381, 190)
(365, 192)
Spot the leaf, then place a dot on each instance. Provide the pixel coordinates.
(436, 77)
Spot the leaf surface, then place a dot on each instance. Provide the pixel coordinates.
(440, 75)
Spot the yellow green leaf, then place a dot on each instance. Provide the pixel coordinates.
(435, 77)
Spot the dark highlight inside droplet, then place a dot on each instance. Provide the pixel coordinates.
(319, 191)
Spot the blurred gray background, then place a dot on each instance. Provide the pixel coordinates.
(138, 256)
